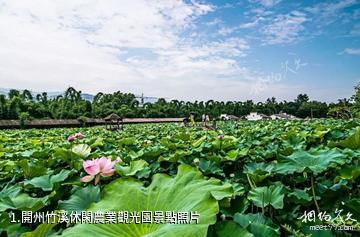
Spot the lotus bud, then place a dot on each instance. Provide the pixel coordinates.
(196, 161)
(232, 175)
(305, 174)
(223, 217)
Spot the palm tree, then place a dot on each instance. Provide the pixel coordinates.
(26, 94)
(13, 93)
(71, 94)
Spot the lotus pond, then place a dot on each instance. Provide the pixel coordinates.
(268, 178)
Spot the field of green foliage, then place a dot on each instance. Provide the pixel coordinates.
(262, 179)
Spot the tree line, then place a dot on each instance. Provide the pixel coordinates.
(23, 105)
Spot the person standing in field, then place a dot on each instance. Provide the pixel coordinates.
(207, 120)
(192, 119)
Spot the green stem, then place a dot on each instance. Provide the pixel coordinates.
(262, 203)
(249, 180)
(314, 195)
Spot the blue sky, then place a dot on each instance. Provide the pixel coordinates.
(180, 49)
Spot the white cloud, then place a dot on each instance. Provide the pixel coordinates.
(258, 15)
(330, 8)
(266, 3)
(252, 24)
(227, 30)
(133, 46)
(326, 13)
(284, 28)
(353, 51)
(214, 22)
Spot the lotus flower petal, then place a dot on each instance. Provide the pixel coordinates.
(108, 173)
(102, 166)
(87, 178)
(71, 139)
(105, 164)
(79, 135)
(91, 167)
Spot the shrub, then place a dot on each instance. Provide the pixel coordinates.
(23, 118)
(83, 120)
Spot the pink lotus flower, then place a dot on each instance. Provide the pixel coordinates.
(221, 136)
(99, 167)
(79, 135)
(71, 138)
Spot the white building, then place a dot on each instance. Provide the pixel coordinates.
(254, 116)
(228, 117)
(283, 116)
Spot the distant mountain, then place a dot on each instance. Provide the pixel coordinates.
(85, 96)
(4, 91)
